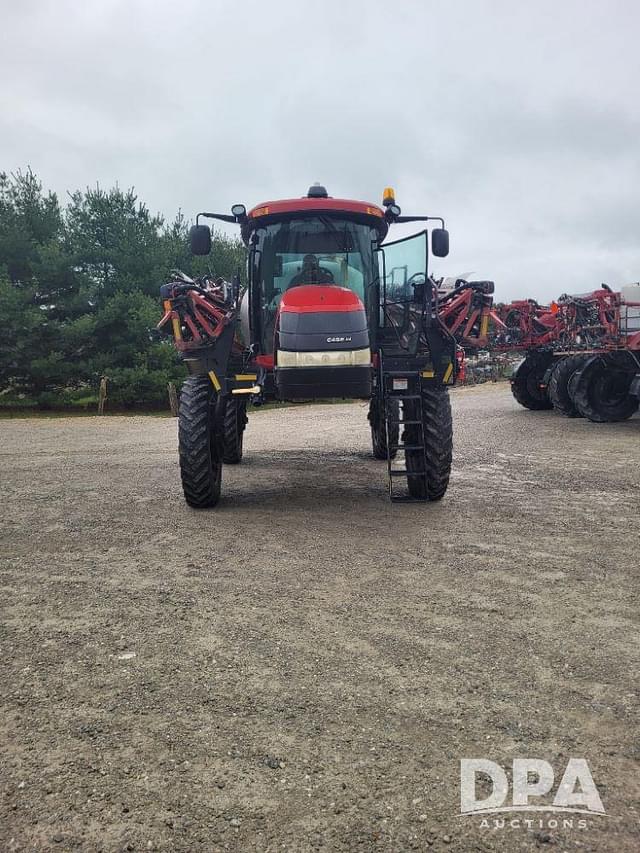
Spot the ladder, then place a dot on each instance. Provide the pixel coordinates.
(405, 386)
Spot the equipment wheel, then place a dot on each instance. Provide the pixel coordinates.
(559, 385)
(433, 467)
(200, 459)
(378, 429)
(527, 379)
(235, 421)
(601, 391)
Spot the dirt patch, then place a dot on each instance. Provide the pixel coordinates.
(304, 667)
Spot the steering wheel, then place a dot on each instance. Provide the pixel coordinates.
(328, 274)
(416, 275)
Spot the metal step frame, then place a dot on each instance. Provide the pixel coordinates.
(414, 378)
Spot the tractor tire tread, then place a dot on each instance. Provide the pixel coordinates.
(232, 435)
(437, 425)
(559, 385)
(199, 470)
(584, 404)
(379, 436)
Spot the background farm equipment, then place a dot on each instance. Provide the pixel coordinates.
(583, 353)
(466, 311)
(523, 324)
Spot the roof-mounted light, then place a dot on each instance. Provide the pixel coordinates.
(317, 191)
(388, 197)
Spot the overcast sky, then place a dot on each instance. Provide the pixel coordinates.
(519, 123)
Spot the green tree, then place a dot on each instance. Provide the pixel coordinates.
(38, 287)
(115, 241)
(24, 326)
(79, 291)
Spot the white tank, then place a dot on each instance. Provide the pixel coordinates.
(245, 333)
(630, 314)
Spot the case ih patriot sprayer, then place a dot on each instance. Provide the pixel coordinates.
(328, 310)
(583, 352)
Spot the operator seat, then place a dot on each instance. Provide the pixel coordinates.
(312, 273)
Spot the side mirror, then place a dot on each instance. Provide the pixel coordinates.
(200, 239)
(440, 242)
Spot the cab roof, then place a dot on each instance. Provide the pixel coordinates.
(290, 208)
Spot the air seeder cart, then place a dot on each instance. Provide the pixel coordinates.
(328, 310)
(582, 353)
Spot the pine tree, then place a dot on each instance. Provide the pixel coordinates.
(79, 292)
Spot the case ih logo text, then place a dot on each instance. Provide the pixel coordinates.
(533, 780)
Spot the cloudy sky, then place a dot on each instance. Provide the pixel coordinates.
(519, 123)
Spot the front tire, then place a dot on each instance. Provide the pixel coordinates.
(434, 464)
(379, 430)
(200, 461)
(235, 421)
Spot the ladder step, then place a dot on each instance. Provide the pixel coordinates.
(397, 369)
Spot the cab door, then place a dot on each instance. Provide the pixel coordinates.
(405, 297)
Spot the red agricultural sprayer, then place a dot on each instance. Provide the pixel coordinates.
(328, 309)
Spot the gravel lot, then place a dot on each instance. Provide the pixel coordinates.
(304, 667)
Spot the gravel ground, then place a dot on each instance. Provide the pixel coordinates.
(304, 667)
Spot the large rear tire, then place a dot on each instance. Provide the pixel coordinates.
(558, 390)
(527, 379)
(200, 462)
(601, 391)
(435, 464)
(378, 428)
(235, 421)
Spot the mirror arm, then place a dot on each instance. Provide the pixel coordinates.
(420, 219)
(223, 217)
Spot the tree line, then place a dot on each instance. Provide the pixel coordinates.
(79, 295)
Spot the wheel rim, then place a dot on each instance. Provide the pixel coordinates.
(611, 388)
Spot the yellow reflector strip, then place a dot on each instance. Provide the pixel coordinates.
(214, 380)
(447, 373)
(246, 377)
(484, 325)
(177, 334)
(428, 374)
(329, 358)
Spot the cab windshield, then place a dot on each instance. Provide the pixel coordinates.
(315, 250)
